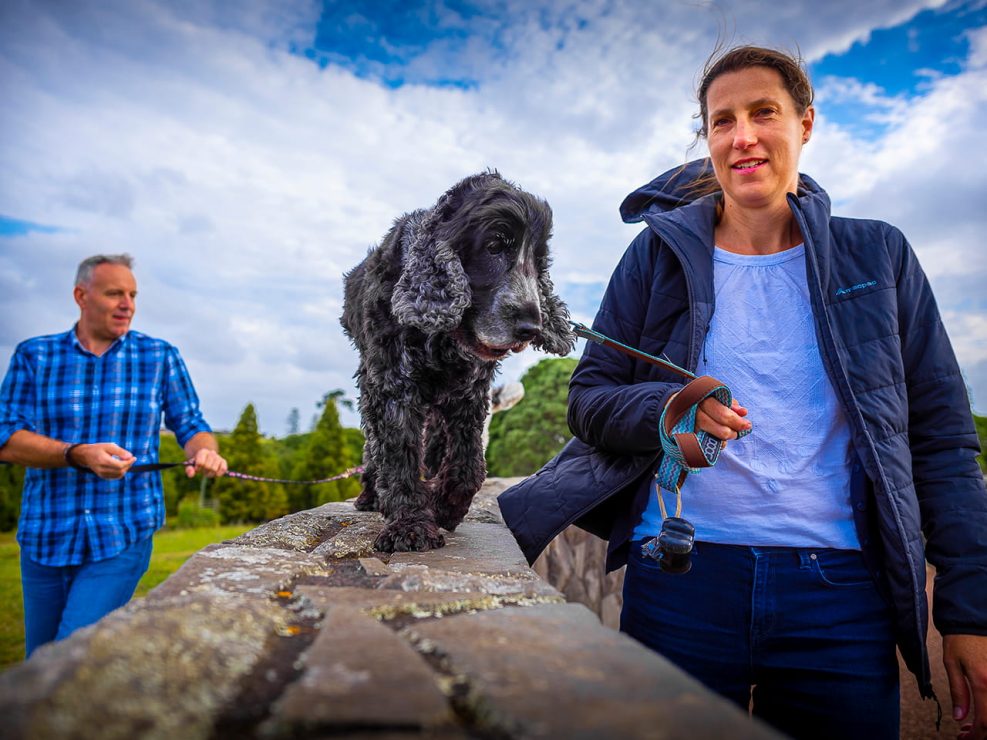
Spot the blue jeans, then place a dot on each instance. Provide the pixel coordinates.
(800, 637)
(58, 600)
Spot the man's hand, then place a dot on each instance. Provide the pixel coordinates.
(203, 451)
(965, 658)
(208, 462)
(105, 459)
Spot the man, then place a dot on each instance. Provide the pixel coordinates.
(79, 409)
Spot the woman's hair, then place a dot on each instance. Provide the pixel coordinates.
(789, 66)
(793, 77)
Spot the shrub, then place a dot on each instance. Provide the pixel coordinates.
(193, 516)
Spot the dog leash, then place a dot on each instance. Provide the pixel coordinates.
(685, 449)
(594, 336)
(153, 467)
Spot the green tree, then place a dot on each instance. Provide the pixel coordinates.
(177, 485)
(327, 452)
(354, 441)
(294, 420)
(288, 451)
(524, 438)
(11, 483)
(981, 422)
(244, 500)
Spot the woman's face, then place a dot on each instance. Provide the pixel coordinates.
(755, 135)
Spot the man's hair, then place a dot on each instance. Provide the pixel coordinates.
(84, 274)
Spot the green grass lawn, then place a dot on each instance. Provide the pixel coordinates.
(172, 547)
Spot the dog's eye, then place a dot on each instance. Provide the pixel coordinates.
(500, 244)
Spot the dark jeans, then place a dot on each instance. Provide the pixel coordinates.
(58, 600)
(801, 637)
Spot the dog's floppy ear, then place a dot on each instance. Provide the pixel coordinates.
(556, 335)
(433, 290)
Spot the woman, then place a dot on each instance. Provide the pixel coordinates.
(809, 563)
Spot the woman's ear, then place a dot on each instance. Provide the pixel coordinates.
(808, 120)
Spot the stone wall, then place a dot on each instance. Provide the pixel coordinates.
(298, 629)
(574, 563)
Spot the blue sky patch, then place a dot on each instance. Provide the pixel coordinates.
(16, 227)
(897, 65)
(388, 39)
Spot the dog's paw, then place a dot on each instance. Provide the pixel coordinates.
(405, 536)
(366, 501)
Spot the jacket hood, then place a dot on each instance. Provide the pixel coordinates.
(676, 188)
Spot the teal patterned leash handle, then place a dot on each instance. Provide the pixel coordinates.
(684, 450)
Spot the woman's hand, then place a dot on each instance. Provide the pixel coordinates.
(714, 418)
(965, 658)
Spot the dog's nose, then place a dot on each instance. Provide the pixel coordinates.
(528, 323)
(525, 332)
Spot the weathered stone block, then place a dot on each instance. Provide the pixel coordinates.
(359, 674)
(401, 607)
(516, 667)
(162, 669)
(229, 569)
(355, 538)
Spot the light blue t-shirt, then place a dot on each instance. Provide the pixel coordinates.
(788, 482)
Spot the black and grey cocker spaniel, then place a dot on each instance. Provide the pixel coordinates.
(448, 293)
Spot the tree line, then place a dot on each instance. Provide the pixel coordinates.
(522, 439)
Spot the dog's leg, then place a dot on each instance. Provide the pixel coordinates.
(435, 445)
(402, 496)
(367, 500)
(464, 469)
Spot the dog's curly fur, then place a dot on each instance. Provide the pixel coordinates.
(448, 292)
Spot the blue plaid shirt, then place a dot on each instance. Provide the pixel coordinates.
(57, 388)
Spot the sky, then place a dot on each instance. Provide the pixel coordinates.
(249, 153)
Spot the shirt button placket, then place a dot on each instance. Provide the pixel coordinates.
(95, 436)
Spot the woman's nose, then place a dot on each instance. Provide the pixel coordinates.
(744, 136)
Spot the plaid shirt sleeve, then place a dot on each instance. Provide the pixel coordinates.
(180, 403)
(16, 397)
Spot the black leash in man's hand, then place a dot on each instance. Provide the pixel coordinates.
(154, 467)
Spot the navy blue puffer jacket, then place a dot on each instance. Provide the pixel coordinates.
(919, 492)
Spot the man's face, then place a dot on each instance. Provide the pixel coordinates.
(107, 303)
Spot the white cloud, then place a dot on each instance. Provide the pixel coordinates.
(245, 180)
